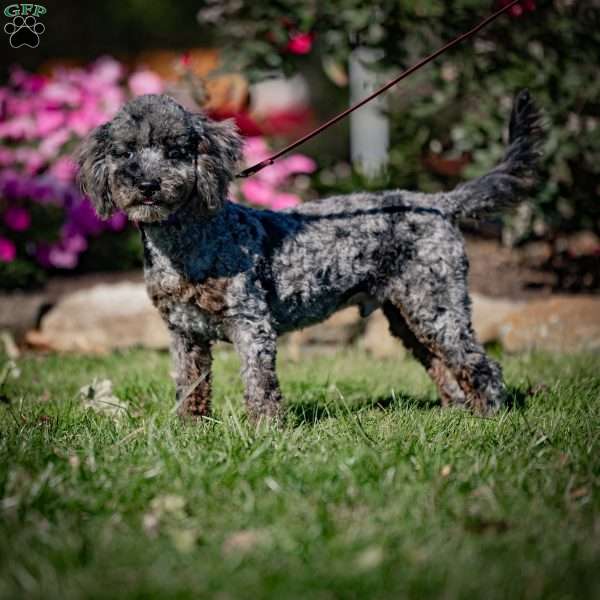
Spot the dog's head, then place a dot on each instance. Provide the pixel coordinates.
(154, 157)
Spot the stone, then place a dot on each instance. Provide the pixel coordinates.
(556, 324)
(99, 319)
(20, 311)
(489, 314)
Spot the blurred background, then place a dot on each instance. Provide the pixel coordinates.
(279, 69)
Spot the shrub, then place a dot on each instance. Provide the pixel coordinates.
(46, 223)
(446, 118)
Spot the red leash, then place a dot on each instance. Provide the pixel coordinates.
(269, 161)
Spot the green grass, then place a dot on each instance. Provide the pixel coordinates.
(371, 490)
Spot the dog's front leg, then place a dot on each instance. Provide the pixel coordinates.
(256, 344)
(192, 362)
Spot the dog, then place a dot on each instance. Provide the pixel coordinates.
(218, 270)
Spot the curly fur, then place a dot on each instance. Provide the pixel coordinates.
(222, 271)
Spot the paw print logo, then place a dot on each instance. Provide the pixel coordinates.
(24, 31)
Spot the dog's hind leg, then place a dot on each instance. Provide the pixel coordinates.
(432, 298)
(450, 392)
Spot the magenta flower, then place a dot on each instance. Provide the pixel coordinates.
(17, 218)
(7, 156)
(300, 43)
(8, 252)
(117, 222)
(518, 9)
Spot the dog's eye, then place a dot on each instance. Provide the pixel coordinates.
(175, 153)
(122, 153)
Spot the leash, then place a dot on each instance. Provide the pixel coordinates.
(269, 161)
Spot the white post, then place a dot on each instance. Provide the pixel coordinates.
(369, 126)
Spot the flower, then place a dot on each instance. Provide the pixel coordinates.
(8, 252)
(186, 60)
(64, 169)
(117, 222)
(47, 121)
(17, 218)
(263, 188)
(145, 82)
(518, 9)
(107, 70)
(284, 200)
(300, 43)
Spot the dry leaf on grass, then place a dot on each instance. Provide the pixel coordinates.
(167, 515)
(98, 396)
(9, 369)
(242, 542)
(161, 508)
(370, 558)
(10, 347)
(446, 470)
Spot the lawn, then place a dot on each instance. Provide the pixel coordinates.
(369, 491)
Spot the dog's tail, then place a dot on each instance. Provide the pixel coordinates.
(514, 177)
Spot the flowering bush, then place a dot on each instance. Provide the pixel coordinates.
(445, 118)
(267, 187)
(44, 217)
(45, 220)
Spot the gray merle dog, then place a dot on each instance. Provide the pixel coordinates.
(217, 270)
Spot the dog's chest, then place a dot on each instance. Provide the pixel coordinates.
(185, 305)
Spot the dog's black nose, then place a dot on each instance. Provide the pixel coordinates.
(148, 187)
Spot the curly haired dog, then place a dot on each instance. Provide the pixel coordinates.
(217, 270)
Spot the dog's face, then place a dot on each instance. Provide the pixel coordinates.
(154, 157)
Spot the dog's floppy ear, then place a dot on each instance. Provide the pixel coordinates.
(218, 152)
(93, 170)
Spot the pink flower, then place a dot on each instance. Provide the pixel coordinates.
(52, 144)
(257, 192)
(299, 163)
(261, 193)
(47, 121)
(145, 82)
(74, 242)
(8, 252)
(300, 43)
(31, 159)
(7, 156)
(283, 200)
(17, 218)
(18, 128)
(255, 149)
(59, 93)
(29, 82)
(64, 169)
(107, 69)
(85, 119)
(62, 259)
